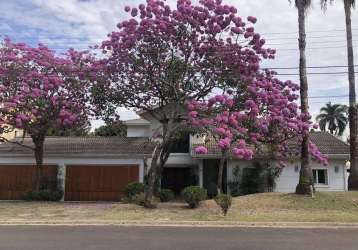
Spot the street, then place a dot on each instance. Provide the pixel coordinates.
(162, 238)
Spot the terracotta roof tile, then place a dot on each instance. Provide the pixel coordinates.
(96, 146)
(326, 143)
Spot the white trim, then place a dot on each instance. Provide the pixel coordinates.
(61, 176)
(321, 185)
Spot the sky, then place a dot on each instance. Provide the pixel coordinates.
(81, 23)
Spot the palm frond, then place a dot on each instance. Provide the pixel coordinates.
(324, 3)
(305, 3)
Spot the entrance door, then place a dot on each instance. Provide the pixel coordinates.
(177, 179)
(210, 176)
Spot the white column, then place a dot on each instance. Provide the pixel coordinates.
(200, 172)
(142, 170)
(61, 176)
(345, 178)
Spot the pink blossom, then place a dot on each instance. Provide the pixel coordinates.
(224, 143)
(201, 150)
(252, 19)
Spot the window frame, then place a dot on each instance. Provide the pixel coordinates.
(316, 177)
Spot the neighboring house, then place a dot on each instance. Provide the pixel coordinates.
(98, 168)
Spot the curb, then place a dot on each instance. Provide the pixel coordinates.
(200, 224)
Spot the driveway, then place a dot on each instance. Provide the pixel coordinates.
(162, 238)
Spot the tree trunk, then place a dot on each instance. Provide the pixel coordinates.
(305, 185)
(220, 173)
(353, 177)
(39, 152)
(151, 178)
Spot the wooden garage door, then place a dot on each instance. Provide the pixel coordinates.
(98, 183)
(16, 180)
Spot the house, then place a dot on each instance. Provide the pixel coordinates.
(98, 168)
(185, 167)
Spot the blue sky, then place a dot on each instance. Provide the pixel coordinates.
(80, 23)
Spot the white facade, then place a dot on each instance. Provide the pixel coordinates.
(335, 173)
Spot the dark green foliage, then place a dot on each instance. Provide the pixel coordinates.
(49, 183)
(49, 191)
(212, 189)
(224, 201)
(133, 189)
(80, 130)
(193, 195)
(261, 178)
(333, 117)
(250, 182)
(166, 195)
(43, 195)
(139, 199)
(113, 129)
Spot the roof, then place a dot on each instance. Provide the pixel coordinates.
(137, 122)
(84, 146)
(329, 144)
(326, 143)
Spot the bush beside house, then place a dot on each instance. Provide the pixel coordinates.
(193, 195)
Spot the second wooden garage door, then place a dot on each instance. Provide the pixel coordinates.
(98, 183)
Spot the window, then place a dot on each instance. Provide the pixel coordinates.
(182, 143)
(18, 133)
(320, 176)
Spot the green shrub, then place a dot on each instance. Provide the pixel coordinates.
(224, 202)
(43, 195)
(212, 189)
(133, 189)
(139, 199)
(166, 195)
(193, 195)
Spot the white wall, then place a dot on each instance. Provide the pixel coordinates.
(336, 181)
(179, 160)
(288, 179)
(138, 131)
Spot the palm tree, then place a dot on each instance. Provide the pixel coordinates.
(305, 185)
(353, 177)
(333, 116)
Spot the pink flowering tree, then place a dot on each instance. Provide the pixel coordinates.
(258, 116)
(40, 91)
(161, 57)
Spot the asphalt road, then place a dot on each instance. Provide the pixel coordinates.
(162, 238)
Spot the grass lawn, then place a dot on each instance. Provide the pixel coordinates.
(269, 207)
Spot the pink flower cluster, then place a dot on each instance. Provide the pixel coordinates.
(201, 150)
(196, 33)
(40, 90)
(266, 117)
(317, 155)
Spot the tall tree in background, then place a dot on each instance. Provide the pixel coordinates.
(79, 130)
(333, 116)
(112, 129)
(353, 177)
(305, 185)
